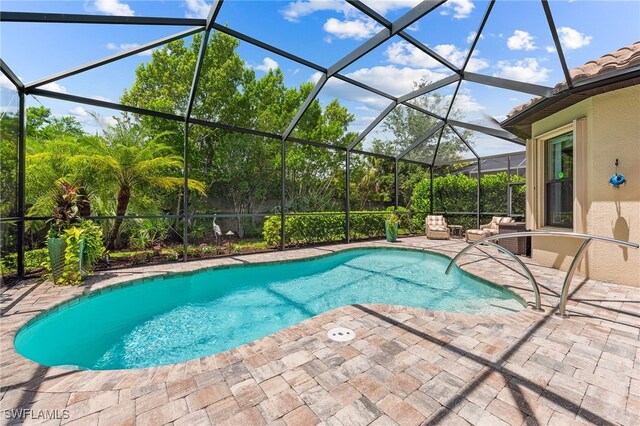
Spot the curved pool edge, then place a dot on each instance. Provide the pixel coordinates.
(105, 285)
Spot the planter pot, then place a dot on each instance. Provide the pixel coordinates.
(84, 271)
(56, 247)
(391, 231)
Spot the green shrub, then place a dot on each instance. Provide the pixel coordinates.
(33, 260)
(310, 228)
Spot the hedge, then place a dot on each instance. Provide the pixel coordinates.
(309, 228)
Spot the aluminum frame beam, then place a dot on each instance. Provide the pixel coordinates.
(478, 34)
(11, 75)
(420, 140)
(429, 88)
(383, 35)
(556, 42)
(448, 163)
(371, 126)
(307, 102)
(439, 58)
(204, 43)
(468, 145)
(71, 18)
(268, 47)
(109, 59)
(435, 153)
(135, 110)
(407, 37)
(505, 83)
(102, 104)
(21, 207)
(502, 134)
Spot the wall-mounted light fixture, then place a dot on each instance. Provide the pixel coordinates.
(617, 179)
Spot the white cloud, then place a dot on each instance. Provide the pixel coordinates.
(197, 9)
(521, 40)
(128, 46)
(461, 8)
(390, 79)
(109, 7)
(476, 64)
(403, 53)
(300, 8)
(296, 10)
(358, 29)
(88, 119)
(472, 36)
(415, 27)
(395, 80)
(550, 49)
(268, 64)
(465, 103)
(572, 39)
(527, 70)
(54, 87)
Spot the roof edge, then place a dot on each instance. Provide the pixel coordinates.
(601, 81)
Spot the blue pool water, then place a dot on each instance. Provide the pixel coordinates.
(181, 317)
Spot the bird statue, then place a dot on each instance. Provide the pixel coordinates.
(216, 229)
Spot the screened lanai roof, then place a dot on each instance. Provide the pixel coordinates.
(463, 63)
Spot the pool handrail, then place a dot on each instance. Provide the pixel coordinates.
(588, 238)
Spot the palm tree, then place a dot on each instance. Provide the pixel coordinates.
(136, 162)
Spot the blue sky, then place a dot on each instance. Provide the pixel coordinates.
(516, 44)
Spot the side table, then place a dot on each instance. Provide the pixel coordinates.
(522, 245)
(456, 230)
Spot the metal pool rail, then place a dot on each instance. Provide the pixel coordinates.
(588, 238)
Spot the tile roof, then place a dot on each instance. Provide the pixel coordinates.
(622, 58)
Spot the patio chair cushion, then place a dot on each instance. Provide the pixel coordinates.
(439, 228)
(478, 231)
(436, 221)
(497, 220)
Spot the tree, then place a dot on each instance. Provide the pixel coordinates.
(42, 125)
(407, 125)
(136, 162)
(242, 169)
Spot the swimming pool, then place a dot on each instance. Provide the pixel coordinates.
(180, 317)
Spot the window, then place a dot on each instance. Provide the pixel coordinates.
(559, 181)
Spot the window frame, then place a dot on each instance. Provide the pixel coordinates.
(567, 179)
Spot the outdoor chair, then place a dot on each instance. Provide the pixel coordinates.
(490, 228)
(436, 228)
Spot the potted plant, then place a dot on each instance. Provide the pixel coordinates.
(74, 245)
(65, 212)
(391, 227)
(83, 249)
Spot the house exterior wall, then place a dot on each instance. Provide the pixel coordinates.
(606, 127)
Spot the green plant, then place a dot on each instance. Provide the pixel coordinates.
(172, 255)
(147, 233)
(65, 211)
(84, 247)
(206, 249)
(392, 219)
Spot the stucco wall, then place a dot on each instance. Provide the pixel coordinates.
(612, 131)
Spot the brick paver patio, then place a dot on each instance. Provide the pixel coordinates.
(406, 366)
